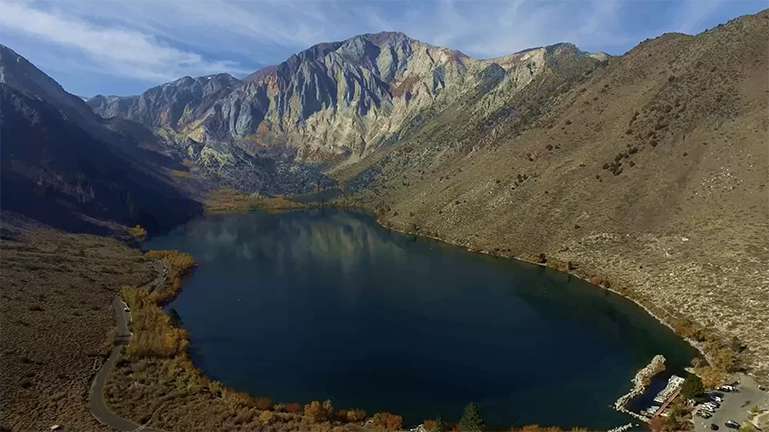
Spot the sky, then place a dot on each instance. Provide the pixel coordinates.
(124, 47)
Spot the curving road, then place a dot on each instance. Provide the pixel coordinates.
(96, 394)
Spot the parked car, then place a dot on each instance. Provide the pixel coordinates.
(713, 426)
(732, 424)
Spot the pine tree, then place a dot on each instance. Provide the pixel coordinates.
(441, 425)
(471, 421)
(692, 387)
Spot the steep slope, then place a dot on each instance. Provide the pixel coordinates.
(18, 72)
(172, 105)
(334, 102)
(57, 173)
(175, 112)
(652, 175)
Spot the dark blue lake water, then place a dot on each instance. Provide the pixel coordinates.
(326, 304)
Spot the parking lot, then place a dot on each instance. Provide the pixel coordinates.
(735, 405)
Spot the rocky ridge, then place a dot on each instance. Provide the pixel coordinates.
(334, 102)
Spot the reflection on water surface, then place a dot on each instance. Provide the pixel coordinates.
(325, 304)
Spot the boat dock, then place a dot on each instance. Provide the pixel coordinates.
(674, 385)
(665, 398)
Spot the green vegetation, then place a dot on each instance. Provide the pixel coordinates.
(692, 387)
(472, 420)
(679, 418)
(724, 355)
(437, 425)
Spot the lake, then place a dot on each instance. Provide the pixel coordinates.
(326, 304)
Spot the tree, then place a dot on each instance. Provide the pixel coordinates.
(726, 360)
(317, 412)
(692, 387)
(138, 232)
(712, 377)
(387, 422)
(440, 425)
(356, 415)
(471, 420)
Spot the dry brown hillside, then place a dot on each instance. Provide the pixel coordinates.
(652, 174)
(56, 319)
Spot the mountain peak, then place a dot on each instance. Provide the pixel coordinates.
(19, 73)
(387, 37)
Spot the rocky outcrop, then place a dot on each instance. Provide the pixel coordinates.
(335, 101)
(172, 105)
(641, 381)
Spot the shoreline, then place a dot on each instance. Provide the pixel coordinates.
(553, 264)
(694, 344)
(698, 346)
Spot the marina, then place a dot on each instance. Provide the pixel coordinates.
(663, 398)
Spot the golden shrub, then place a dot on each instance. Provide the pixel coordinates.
(315, 412)
(267, 417)
(387, 422)
(356, 415)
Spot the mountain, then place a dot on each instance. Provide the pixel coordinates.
(19, 73)
(63, 167)
(334, 102)
(172, 105)
(648, 176)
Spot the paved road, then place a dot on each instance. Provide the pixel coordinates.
(735, 406)
(96, 394)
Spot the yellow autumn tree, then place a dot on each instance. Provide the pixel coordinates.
(138, 232)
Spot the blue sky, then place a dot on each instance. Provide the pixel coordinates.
(125, 47)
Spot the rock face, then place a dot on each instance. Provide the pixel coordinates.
(335, 101)
(172, 105)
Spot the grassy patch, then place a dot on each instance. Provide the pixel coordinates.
(232, 201)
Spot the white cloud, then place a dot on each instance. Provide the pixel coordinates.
(162, 40)
(119, 51)
(693, 14)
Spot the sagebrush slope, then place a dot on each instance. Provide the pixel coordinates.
(651, 174)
